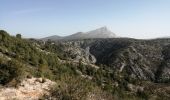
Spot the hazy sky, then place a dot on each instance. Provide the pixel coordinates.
(129, 18)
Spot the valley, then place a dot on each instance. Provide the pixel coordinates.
(88, 69)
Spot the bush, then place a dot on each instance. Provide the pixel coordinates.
(18, 36)
(72, 88)
(10, 70)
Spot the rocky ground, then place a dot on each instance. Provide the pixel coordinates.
(139, 59)
(29, 89)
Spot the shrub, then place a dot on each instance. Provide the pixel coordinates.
(72, 88)
(18, 36)
(10, 70)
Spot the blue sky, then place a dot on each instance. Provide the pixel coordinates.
(128, 18)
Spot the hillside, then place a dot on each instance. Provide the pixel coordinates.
(139, 59)
(143, 63)
(21, 59)
(89, 69)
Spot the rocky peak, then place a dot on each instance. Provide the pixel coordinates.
(102, 32)
(103, 29)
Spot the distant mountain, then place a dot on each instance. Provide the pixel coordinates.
(53, 38)
(102, 32)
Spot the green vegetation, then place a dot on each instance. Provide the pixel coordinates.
(10, 70)
(72, 88)
(21, 58)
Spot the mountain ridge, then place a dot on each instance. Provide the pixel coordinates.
(102, 32)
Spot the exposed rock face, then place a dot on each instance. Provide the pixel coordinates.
(78, 51)
(29, 89)
(139, 59)
(134, 88)
(102, 32)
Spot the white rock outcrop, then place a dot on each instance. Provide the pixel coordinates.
(29, 89)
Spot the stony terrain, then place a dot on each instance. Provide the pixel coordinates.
(29, 89)
(140, 59)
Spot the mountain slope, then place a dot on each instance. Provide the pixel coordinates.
(102, 32)
(53, 38)
(132, 65)
(108, 69)
(21, 59)
(140, 59)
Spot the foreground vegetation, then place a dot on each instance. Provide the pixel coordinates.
(21, 58)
